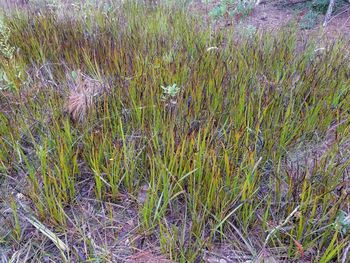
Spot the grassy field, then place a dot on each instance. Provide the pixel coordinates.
(130, 131)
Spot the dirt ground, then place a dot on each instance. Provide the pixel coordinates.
(273, 14)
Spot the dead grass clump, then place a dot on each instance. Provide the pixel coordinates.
(83, 94)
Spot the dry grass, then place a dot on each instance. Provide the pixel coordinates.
(83, 95)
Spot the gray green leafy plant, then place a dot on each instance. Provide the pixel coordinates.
(309, 20)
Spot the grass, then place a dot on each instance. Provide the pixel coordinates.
(137, 127)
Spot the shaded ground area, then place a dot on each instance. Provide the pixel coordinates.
(272, 15)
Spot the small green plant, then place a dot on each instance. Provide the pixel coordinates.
(343, 222)
(170, 91)
(309, 21)
(248, 31)
(5, 82)
(235, 8)
(6, 49)
(243, 8)
(219, 10)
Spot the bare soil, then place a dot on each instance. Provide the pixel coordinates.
(273, 15)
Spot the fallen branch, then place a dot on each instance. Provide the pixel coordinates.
(273, 231)
(329, 12)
